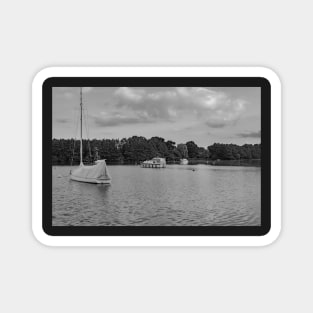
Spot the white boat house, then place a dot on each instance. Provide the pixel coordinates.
(154, 163)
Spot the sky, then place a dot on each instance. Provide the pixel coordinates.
(205, 115)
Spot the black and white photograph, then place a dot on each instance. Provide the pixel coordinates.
(153, 156)
(156, 156)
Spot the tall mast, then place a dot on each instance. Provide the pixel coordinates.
(81, 126)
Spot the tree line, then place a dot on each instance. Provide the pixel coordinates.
(136, 149)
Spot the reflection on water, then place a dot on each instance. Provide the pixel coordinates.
(179, 195)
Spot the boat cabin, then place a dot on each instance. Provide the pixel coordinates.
(154, 163)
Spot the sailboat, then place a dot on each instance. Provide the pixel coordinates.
(95, 174)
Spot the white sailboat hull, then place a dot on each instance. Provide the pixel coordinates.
(95, 174)
(91, 180)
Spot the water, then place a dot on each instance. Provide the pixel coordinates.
(180, 195)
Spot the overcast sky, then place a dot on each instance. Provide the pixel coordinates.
(204, 115)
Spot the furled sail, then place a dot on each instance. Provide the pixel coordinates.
(97, 174)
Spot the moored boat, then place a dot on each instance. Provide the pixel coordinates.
(183, 162)
(94, 174)
(154, 163)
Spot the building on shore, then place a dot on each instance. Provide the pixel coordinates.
(154, 163)
(183, 162)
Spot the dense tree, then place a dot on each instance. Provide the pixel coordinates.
(192, 149)
(136, 149)
(233, 152)
(170, 145)
(203, 153)
(182, 148)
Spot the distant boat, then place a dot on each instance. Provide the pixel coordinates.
(154, 163)
(95, 174)
(183, 162)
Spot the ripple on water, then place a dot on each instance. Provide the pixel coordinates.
(209, 195)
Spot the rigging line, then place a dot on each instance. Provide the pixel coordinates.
(87, 121)
(75, 136)
(88, 126)
(87, 114)
(87, 130)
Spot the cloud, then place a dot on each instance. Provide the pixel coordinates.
(116, 118)
(68, 95)
(216, 123)
(252, 134)
(129, 94)
(62, 120)
(215, 108)
(70, 92)
(87, 89)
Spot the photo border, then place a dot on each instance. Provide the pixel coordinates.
(152, 77)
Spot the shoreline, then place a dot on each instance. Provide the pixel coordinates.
(244, 162)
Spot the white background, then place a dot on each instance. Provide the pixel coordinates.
(37, 34)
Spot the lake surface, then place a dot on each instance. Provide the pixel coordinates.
(179, 195)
